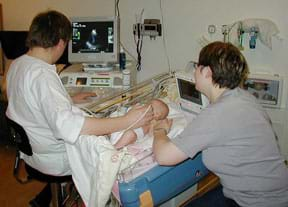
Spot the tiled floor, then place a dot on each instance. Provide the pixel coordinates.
(12, 193)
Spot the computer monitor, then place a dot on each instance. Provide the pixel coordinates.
(190, 99)
(94, 40)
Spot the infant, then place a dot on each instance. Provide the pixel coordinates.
(160, 111)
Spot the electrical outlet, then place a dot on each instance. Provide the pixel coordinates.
(211, 29)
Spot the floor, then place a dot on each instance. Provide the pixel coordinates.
(12, 193)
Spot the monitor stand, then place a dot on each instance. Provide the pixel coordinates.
(96, 67)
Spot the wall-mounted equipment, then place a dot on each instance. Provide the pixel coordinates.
(268, 89)
(225, 32)
(253, 33)
(150, 27)
(262, 29)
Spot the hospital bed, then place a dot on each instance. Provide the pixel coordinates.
(159, 184)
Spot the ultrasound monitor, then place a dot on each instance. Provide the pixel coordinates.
(94, 40)
(190, 98)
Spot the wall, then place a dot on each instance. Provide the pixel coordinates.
(184, 23)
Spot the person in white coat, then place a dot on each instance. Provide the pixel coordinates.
(38, 101)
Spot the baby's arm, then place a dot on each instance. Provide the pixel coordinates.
(127, 138)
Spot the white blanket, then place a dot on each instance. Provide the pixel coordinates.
(95, 163)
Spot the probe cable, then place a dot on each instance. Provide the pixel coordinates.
(134, 123)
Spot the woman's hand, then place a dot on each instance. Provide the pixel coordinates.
(83, 97)
(164, 124)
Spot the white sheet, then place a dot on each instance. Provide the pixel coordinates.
(95, 164)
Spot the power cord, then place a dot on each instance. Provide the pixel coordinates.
(141, 117)
(117, 11)
(138, 38)
(164, 39)
(117, 14)
(134, 123)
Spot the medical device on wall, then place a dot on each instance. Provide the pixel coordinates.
(150, 27)
(190, 98)
(255, 28)
(94, 40)
(112, 79)
(268, 89)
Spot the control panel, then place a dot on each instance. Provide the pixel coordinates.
(112, 79)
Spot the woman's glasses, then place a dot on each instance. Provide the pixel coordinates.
(197, 65)
(194, 64)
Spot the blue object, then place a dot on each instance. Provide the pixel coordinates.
(253, 37)
(214, 197)
(163, 182)
(122, 60)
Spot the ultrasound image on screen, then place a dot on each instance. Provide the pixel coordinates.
(92, 37)
(189, 92)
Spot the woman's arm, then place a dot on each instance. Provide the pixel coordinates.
(136, 117)
(165, 152)
(82, 97)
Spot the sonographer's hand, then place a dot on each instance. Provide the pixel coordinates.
(139, 116)
(83, 97)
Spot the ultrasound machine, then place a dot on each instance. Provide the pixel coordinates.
(93, 52)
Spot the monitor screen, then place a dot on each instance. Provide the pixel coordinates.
(188, 91)
(190, 99)
(94, 40)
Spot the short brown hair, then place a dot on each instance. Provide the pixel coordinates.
(228, 65)
(47, 29)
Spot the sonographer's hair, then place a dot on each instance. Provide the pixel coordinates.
(47, 29)
(228, 65)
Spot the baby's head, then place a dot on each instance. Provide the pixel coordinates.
(160, 109)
